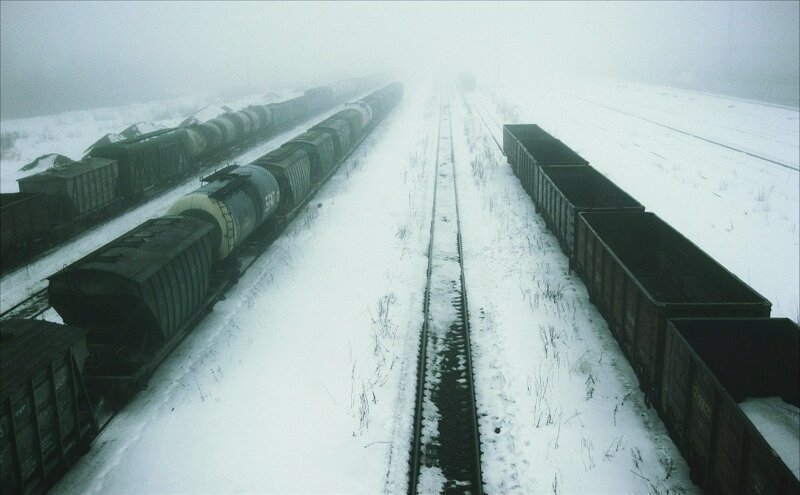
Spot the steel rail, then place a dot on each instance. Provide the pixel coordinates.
(453, 393)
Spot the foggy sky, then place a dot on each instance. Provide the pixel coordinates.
(56, 56)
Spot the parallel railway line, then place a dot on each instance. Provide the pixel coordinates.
(474, 101)
(687, 133)
(227, 276)
(27, 306)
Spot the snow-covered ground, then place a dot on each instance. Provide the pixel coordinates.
(302, 379)
(742, 210)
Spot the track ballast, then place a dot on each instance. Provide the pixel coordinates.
(445, 451)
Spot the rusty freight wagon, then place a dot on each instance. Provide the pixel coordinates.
(639, 272)
(46, 421)
(715, 372)
(567, 191)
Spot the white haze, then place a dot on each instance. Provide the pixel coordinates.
(59, 56)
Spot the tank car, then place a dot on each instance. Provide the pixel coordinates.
(235, 201)
(357, 116)
(377, 104)
(243, 122)
(212, 135)
(261, 115)
(196, 144)
(227, 127)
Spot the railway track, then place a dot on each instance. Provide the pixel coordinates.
(445, 452)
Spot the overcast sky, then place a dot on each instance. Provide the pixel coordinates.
(63, 55)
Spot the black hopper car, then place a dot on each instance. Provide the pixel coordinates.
(116, 175)
(128, 304)
(699, 339)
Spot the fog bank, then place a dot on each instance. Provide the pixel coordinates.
(57, 56)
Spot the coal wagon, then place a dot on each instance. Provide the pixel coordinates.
(569, 190)
(528, 149)
(714, 369)
(639, 272)
(515, 137)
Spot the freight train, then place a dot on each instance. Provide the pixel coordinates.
(128, 304)
(699, 339)
(55, 204)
